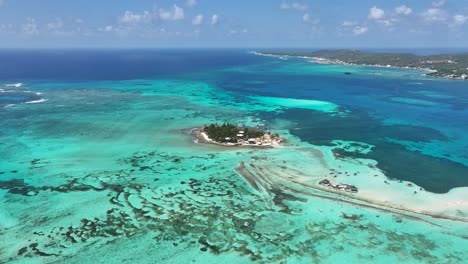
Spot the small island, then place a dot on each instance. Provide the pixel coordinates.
(232, 135)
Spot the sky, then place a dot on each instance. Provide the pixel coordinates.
(233, 23)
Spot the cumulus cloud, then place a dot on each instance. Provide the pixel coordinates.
(108, 28)
(376, 13)
(176, 13)
(237, 31)
(130, 17)
(403, 10)
(387, 22)
(197, 20)
(308, 19)
(191, 3)
(55, 25)
(459, 20)
(31, 27)
(433, 15)
(7, 28)
(360, 30)
(214, 19)
(294, 6)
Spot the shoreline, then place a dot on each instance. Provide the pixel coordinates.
(302, 168)
(264, 179)
(327, 61)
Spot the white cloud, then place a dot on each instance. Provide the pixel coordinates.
(237, 31)
(197, 20)
(438, 3)
(376, 13)
(55, 25)
(403, 10)
(7, 28)
(191, 3)
(130, 17)
(177, 13)
(108, 28)
(79, 21)
(308, 19)
(299, 6)
(31, 27)
(349, 23)
(214, 20)
(294, 6)
(432, 15)
(459, 20)
(360, 30)
(387, 22)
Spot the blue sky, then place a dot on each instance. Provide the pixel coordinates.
(237, 23)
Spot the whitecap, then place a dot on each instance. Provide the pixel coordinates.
(16, 85)
(36, 101)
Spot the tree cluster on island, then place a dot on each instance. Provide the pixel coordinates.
(231, 133)
(443, 65)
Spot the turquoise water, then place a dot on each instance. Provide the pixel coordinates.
(107, 171)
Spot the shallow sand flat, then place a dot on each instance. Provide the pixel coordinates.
(297, 103)
(311, 164)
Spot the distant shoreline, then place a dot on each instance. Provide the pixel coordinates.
(336, 60)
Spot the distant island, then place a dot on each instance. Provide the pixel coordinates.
(453, 66)
(232, 135)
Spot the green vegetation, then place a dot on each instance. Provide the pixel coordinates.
(446, 65)
(219, 133)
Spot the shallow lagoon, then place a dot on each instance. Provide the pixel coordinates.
(106, 169)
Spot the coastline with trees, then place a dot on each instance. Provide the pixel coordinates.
(452, 66)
